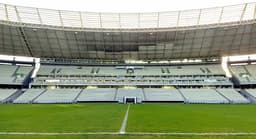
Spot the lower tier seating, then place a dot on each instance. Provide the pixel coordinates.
(97, 94)
(160, 94)
(233, 95)
(252, 92)
(28, 96)
(133, 92)
(202, 96)
(191, 95)
(58, 96)
(5, 93)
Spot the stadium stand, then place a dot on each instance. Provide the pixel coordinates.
(168, 35)
(199, 95)
(131, 70)
(197, 70)
(97, 95)
(7, 73)
(244, 74)
(133, 75)
(250, 69)
(58, 96)
(134, 93)
(5, 93)
(162, 95)
(13, 74)
(202, 96)
(126, 59)
(233, 96)
(252, 92)
(28, 96)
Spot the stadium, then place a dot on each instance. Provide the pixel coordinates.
(176, 74)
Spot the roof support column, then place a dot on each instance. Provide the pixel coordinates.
(254, 15)
(199, 16)
(242, 15)
(6, 13)
(39, 16)
(119, 20)
(158, 17)
(178, 20)
(221, 13)
(81, 20)
(61, 21)
(139, 20)
(100, 20)
(17, 13)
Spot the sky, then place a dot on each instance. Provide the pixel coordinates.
(124, 6)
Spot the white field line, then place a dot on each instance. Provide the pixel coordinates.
(59, 133)
(133, 133)
(192, 133)
(122, 129)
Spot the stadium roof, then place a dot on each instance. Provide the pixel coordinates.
(211, 32)
(216, 15)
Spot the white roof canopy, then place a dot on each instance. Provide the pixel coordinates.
(217, 15)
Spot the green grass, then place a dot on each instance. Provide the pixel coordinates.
(61, 117)
(142, 118)
(121, 137)
(192, 118)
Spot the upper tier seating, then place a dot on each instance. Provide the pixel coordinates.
(197, 70)
(132, 75)
(13, 74)
(132, 70)
(245, 74)
(252, 72)
(63, 70)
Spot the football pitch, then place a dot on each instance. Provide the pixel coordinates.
(61, 121)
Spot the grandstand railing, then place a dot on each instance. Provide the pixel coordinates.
(77, 19)
(218, 80)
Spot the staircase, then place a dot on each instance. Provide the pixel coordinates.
(14, 96)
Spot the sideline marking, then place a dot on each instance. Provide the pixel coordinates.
(122, 129)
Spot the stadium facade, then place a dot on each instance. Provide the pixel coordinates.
(54, 56)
